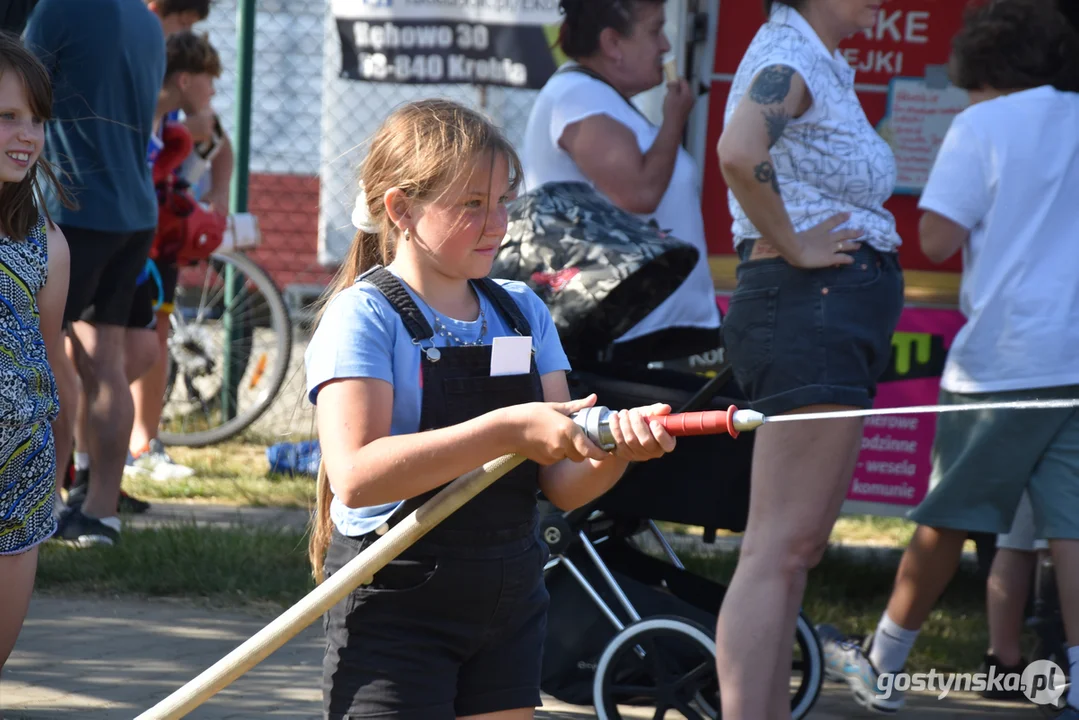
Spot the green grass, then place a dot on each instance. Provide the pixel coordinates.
(247, 567)
(852, 594)
(254, 491)
(873, 530)
(234, 473)
(266, 569)
(848, 530)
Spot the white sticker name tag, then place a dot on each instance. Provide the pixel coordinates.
(511, 355)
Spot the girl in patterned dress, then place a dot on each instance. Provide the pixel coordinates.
(33, 291)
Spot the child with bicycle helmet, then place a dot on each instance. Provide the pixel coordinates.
(399, 368)
(192, 66)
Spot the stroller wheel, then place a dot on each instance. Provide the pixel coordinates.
(662, 662)
(807, 674)
(677, 673)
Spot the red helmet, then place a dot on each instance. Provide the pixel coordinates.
(186, 231)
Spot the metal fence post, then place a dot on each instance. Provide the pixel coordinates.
(233, 366)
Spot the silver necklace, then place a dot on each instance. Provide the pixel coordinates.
(441, 329)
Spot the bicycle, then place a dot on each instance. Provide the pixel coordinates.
(229, 350)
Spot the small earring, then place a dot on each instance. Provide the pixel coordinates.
(408, 237)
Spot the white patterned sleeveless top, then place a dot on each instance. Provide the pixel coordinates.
(831, 159)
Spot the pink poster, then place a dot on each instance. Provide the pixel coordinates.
(894, 465)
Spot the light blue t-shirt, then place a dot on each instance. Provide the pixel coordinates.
(362, 336)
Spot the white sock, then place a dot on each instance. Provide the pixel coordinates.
(1073, 690)
(82, 461)
(891, 645)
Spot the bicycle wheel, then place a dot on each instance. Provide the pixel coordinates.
(228, 356)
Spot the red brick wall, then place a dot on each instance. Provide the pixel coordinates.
(287, 210)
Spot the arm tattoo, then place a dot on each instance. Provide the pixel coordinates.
(772, 85)
(765, 173)
(776, 121)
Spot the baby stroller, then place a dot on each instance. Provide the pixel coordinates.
(627, 628)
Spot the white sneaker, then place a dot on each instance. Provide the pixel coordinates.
(157, 464)
(846, 661)
(132, 470)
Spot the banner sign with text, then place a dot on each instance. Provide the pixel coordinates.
(895, 463)
(475, 42)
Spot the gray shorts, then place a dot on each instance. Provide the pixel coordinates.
(983, 462)
(1022, 536)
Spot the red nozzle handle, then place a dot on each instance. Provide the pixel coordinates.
(709, 422)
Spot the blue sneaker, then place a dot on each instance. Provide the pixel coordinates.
(846, 660)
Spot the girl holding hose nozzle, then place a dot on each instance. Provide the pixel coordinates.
(400, 369)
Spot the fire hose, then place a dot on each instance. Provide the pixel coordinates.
(595, 422)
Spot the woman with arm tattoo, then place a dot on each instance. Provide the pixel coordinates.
(810, 323)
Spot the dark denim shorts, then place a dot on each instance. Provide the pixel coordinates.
(809, 337)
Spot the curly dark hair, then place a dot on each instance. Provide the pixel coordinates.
(171, 7)
(586, 19)
(189, 52)
(1016, 45)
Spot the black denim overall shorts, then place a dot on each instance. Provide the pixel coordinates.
(455, 624)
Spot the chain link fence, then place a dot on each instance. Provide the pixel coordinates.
(308, 132)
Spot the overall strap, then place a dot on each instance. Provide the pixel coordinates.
(502, 300)
(411, 315)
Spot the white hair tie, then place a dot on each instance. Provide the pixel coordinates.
(361, 216)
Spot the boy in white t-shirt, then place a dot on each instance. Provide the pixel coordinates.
(1003, 191)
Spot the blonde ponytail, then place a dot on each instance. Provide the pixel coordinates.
(322, 526)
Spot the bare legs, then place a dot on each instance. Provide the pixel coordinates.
(68, 388)
(928, 565)
(1005, 600)
(801, 473)
(100, 354)
(148, 390)
(1066, 568)
(519, 714)
(18, 572)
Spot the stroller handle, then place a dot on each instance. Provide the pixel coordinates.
(595, 421)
